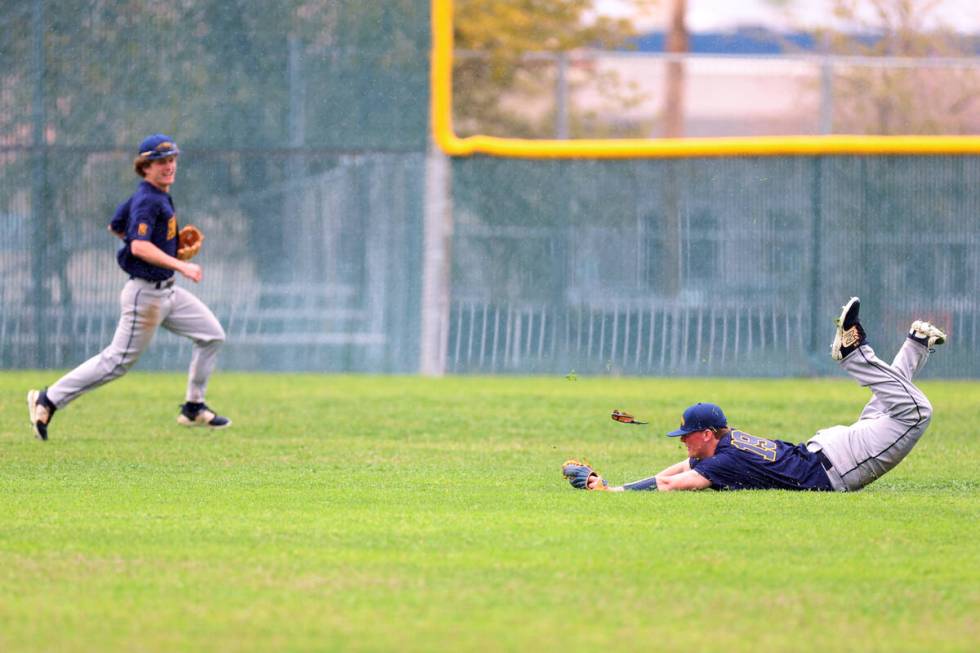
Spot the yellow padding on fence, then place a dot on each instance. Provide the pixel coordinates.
(441, 109)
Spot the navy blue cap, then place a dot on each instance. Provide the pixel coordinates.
(158, 146)
(700, 417)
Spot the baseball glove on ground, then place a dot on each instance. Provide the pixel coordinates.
(189, 242)
(579, 473)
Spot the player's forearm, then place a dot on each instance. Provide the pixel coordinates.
(689, 480)
(675, 469)
(653, 483)
(649, 483)
(147, 251)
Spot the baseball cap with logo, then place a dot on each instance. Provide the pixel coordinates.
(158, 146)
(698, 417)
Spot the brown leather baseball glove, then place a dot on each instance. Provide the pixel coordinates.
(578, 473)
(189, 242)
(624, 417)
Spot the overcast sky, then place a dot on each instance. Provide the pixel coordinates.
(720, 15)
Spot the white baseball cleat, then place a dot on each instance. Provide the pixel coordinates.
(926, 334)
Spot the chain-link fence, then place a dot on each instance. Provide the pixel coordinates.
(303, 127)
(709, 266)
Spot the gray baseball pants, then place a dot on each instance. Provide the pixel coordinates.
(890, 424)
(144, 308)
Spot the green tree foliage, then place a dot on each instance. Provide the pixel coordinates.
(902, 99)
(496, 41)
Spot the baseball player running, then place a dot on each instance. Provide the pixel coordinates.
(841, 458)
(147, 224)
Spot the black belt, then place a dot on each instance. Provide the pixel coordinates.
(159, 285)
(824, 460)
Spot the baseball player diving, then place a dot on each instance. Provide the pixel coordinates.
(839, 458)
(153, 249)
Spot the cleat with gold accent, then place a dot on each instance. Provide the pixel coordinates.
(849, 334)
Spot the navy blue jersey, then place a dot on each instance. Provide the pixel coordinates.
(147, 215)
(745, 462)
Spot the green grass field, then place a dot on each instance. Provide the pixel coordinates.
(387, 513)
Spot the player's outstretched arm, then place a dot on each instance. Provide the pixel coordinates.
(677, 477)
(672, 478)
(681, 478)
(660, 481)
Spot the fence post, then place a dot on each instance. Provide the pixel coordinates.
(39, 189)
(826, 96)
(561, 97)
(816, 228)
(296, 224)
(436, 262)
